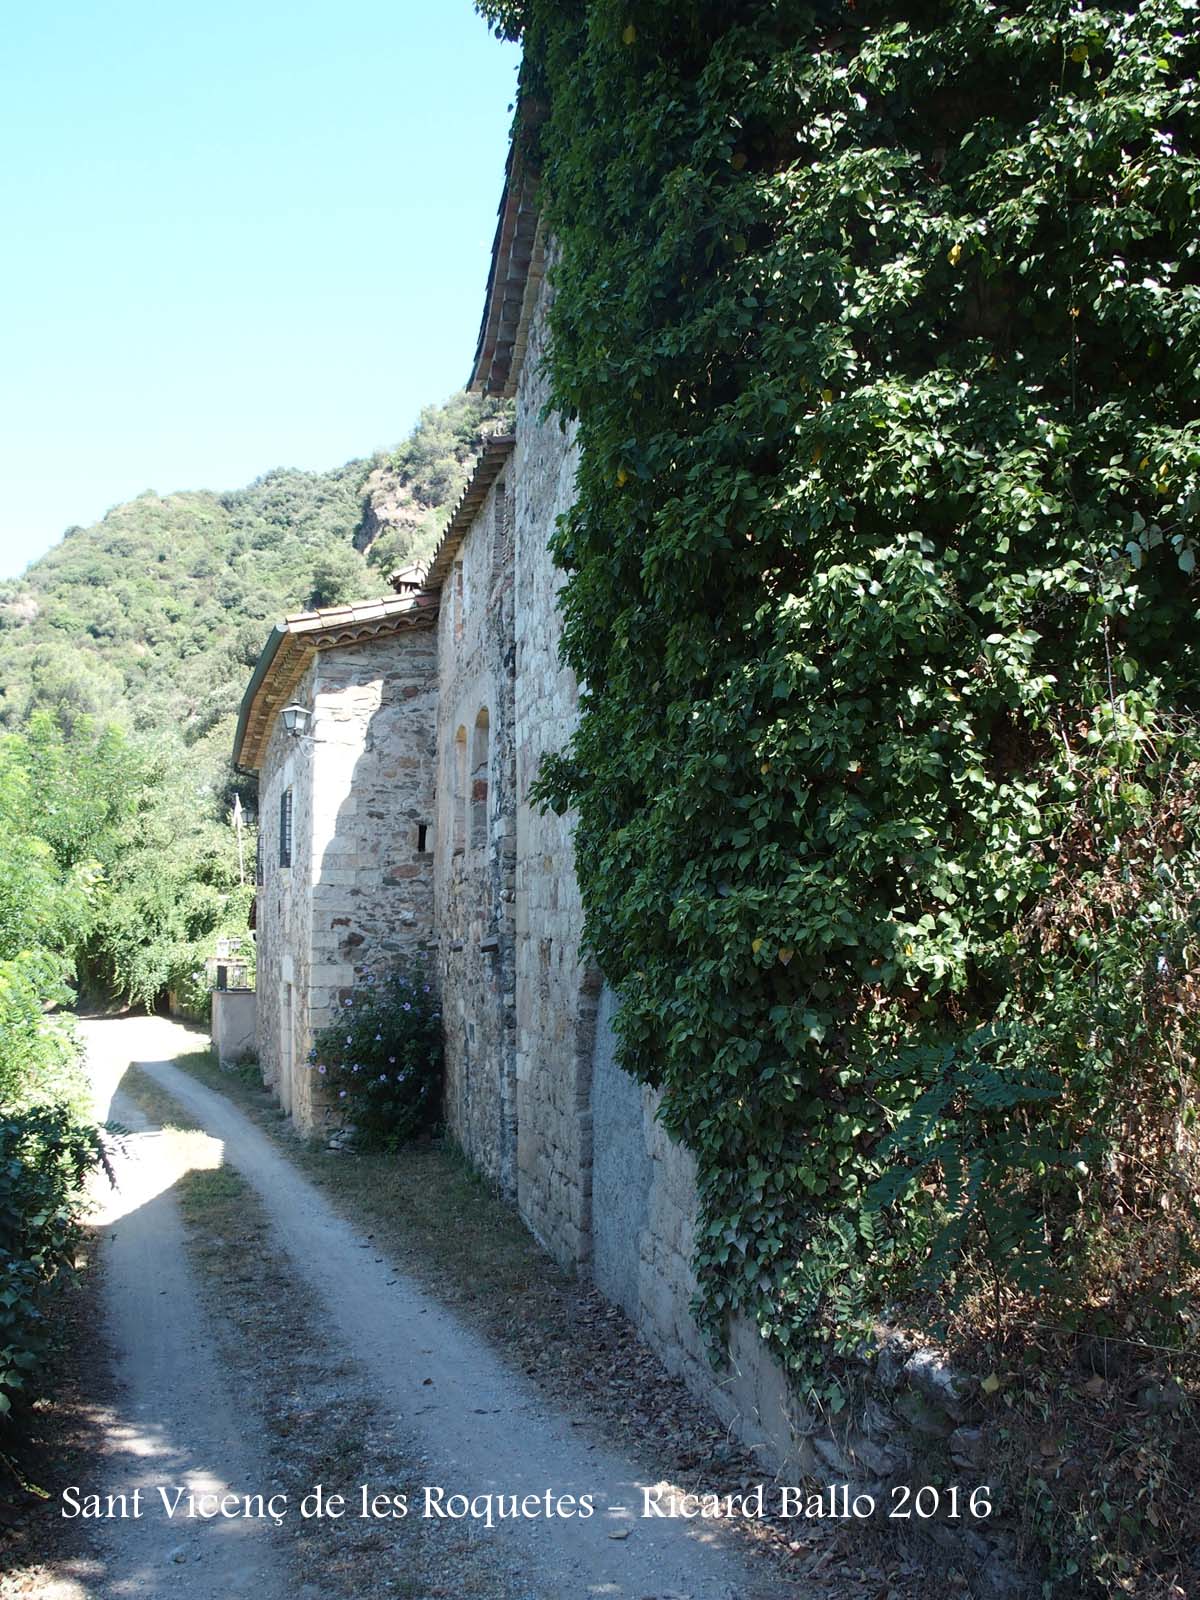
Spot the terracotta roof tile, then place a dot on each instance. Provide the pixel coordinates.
(291, 646)
(497, 448)
(517, 267)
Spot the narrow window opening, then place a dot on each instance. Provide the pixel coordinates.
(499, 530)
(479, 781)
(460, 790)
(422, 837)
(285, 828)
(458, 600)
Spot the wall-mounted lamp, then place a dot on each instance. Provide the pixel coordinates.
(295, 720)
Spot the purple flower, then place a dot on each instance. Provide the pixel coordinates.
(341, 1094)
(379, 1036)
(347, 1002)
(348, 1040)
(383, 1077)
(391, 1061)
(321, 1068)
(407, 1007)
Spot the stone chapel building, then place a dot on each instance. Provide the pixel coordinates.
(400, 818)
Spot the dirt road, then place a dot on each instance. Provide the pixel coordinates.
(476, 1428)
(175, 1423)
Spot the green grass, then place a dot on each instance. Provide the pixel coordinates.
(153, 1100)
(425, 1204)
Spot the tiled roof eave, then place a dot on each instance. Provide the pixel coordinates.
(496, 451)
(293, 644)
(515, 251)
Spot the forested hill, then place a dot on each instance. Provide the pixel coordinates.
(124, 653)
(152, 617)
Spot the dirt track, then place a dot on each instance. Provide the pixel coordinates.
(478, 1428)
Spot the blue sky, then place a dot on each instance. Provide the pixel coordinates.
(238, 236)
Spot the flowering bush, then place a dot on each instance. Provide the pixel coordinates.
(381, 1058)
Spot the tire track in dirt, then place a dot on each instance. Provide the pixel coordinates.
(175, 1423)
(482, 1429)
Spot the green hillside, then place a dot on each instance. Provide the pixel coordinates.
(126, 650)
(151, 617)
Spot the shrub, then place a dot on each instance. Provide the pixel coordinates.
(381, 1060)
(46, 1154)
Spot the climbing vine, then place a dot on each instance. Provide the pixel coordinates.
(881, 329)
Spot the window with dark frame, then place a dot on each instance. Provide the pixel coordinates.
(285, 828)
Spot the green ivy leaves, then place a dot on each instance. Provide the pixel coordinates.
(881, 334)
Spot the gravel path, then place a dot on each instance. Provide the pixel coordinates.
(481, 1429)
(175, 1422)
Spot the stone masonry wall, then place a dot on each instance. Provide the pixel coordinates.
(644, 1204)
(556, 989)
(360, 890)
(916, 1420)
(476, 842)
(284, 933)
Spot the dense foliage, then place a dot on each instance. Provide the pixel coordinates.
(152, 617)
(432, 466)
(50, 889)
(69, 807)
(380, 1061)
(46, 1152)
(881, 327)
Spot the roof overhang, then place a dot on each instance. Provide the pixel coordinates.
(517, 268)
(294, 642)
(495, 452)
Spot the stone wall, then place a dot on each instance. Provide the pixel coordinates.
(359, 892)
(915, 1421)
(234, 1028)
(644, 1204)
(476, 841)
(284, 930)
(556, 988)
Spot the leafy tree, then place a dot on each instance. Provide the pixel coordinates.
(337, 577)
(436, 457)
(47, 905)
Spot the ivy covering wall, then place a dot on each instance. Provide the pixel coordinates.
(882, 330)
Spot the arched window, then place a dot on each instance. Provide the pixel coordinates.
(479, 781)
(460, 790)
